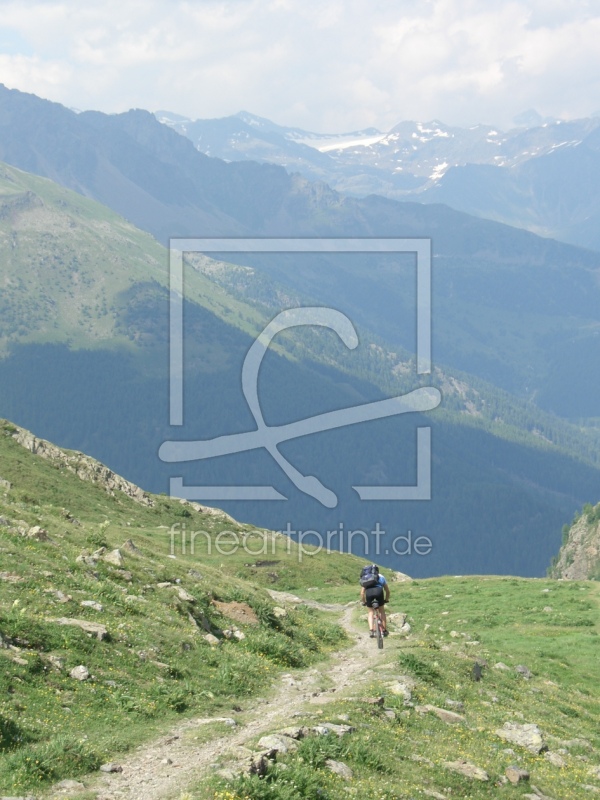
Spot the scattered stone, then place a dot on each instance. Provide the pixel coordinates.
(329, 727)
(421, 759)
(279, 612)
(70, 785)
(400, 577)
(92, 604)
(163, 585)
(389, 713)
(339, 768)
(56, 662)
(11, 577)
(595, 772)
(449, 717)
(38, 533)
(402, 687)
(239, 635)
(5, 484)
(167, 761)
(114, 557)
(454, 634)
(293, 732)
(501, 666)
(457, 704)
(527, 735)
(278, 743)
(374, 701)
(547, 609)
(129, 547)
(468, 769)
(22, 662)
(516, 775)
(434, 794)
(524, 671)
(185, 596)
(80, 673)
(96, 628)
(555, 759)
(210, 638)
(111, 767)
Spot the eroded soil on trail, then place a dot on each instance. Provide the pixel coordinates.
(169, 765)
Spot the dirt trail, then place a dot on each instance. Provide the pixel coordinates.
(147, 773)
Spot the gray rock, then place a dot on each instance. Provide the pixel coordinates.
(501, 666)
(239, 635)
(595, 772)
(70, 785)
(185, 596)
(279, 612)
(434, 794)
(129, 547)
(457, 704)
(278, 743)
(516, 775)
(339, 768)
(525, 735)
(555, 759)
(111, 767)
(293, 732)
(339, 730)
(211, 639)
(524, 671)
(92, 604)
(80, 673)
(89, 627)
(449, 717)
(114, 557)
(468, 769)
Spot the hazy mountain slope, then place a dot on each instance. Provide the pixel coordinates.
(112, 400)
(509, 306)
(555, 194)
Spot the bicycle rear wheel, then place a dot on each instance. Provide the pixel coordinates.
(379, 632)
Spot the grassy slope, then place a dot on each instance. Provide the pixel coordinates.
(67, 261)
(497, 620)
(155, 664)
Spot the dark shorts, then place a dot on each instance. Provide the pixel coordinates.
(376, 593)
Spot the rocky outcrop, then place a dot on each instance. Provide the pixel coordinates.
(85, 467)
(579, 556)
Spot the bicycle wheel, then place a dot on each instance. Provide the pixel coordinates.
(379, 632)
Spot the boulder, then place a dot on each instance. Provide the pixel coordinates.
(95, 628)
(92, 604)
(449, 717)
(468, 769)
(80, 673)
(525, 735)
(211, 639)
(555, 759)
(111, 767)
(516, 775)
(114, 557)
(524, 671)
(339, 768)
(278, 742)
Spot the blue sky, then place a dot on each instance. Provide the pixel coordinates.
(341, 66)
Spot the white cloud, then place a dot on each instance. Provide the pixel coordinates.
(337, 66)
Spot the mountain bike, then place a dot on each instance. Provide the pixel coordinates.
(378, 624)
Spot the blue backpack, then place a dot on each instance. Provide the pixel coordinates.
(369, 576)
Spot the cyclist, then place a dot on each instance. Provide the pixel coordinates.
(381, 593)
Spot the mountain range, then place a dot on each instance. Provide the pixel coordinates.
(542, 178)
(86, 336)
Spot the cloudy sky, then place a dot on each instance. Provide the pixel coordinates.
(332, 66)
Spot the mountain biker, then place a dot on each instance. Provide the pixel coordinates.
(381, 593)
